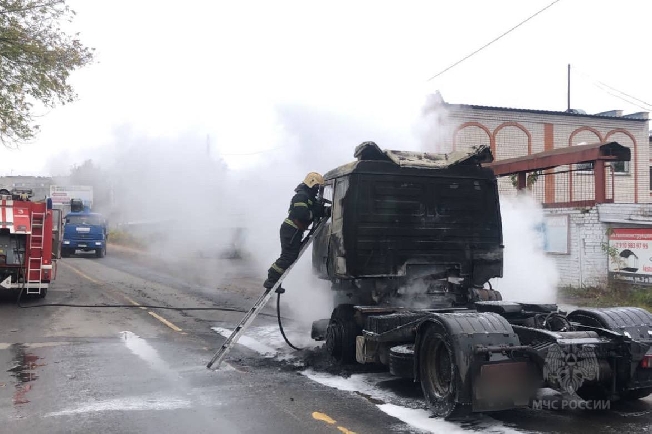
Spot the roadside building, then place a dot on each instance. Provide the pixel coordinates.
(40, 185)
(592, 236)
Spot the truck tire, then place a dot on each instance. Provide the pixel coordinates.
(617, 319)
(65, 253)
(438, 373)
(341, 333)
(100, 253)
(43, 293)
(633, 321)
(401, 361)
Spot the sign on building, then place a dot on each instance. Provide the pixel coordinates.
(61, 194)
(630, 255)
(555, 234)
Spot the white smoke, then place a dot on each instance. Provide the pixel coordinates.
(529, 275)
(434, 127)
(194, 202)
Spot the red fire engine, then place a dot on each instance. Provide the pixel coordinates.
(29, 242)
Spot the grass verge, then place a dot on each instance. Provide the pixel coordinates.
(612, 295)
(126, 239)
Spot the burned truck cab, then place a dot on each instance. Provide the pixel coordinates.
(412, 242)
(411, 227)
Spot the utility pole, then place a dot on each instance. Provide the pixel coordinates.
(568, 93)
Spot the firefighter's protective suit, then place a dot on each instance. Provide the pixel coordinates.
(304, 209)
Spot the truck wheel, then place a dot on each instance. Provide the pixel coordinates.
(618, 319)
(43, 293)
(438, 373)
(341, 333)
(65, 253)
(401, 361)
(100, 252)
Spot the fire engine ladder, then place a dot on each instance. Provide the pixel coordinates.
(260, 303)
(35, 264)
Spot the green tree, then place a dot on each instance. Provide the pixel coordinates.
(36, 59)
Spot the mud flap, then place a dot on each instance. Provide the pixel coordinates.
(502, 385)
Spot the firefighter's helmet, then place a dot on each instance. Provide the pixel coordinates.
(313, 178)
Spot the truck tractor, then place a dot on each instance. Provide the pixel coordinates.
(412, 244)
(84, 230)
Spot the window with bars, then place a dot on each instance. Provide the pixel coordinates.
(618, 167)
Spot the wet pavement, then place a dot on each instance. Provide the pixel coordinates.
(142, 370)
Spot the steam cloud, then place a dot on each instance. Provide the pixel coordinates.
(529, 275)
(189, 202)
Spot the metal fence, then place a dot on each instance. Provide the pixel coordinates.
(569, 186)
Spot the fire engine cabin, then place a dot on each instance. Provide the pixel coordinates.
(26, 242)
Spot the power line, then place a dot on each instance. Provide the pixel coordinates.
(627, 95)
(620, 97)
(606, 88)
(496, 39)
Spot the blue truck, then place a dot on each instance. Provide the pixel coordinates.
(84, 230)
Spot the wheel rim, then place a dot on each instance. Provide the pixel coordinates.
(440, 372)
(334, 338)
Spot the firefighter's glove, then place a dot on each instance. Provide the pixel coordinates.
(318, 212)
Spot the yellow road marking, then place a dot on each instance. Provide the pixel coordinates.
(323, 417)
(164, 321)
(135, 303)
(85, 276)
(329, 420)
(128, 299)
(155, 315)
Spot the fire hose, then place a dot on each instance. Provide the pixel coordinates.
(280, 291)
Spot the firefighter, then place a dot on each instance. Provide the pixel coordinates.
(304, 209)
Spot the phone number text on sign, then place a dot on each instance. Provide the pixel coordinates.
(626, 245)
(630, 257)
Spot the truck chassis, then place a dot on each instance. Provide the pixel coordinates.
(496, 355)
(413, 241)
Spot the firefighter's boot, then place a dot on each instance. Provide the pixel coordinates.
(272, 278)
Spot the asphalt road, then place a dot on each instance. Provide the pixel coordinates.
(142, 370)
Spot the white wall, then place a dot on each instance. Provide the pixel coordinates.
(586, 264)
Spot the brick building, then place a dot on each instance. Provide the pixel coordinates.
(518, 132)
(579, 228)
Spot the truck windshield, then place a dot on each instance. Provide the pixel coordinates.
(84, 220)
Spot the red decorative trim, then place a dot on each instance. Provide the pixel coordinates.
(634, 157)
(520, 127)
(492, 144)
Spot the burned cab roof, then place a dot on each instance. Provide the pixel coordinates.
(370, 156)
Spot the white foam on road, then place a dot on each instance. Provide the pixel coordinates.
(421, 420)
(409, 410)
(360, 383)
(144, 403)
(268, 342)
(144, 350)
(251, 343)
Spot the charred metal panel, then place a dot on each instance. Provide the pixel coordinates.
(400, 215)
(394, 221)
(383, 323)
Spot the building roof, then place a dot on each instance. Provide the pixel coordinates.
(611, 114)
(639, 116)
